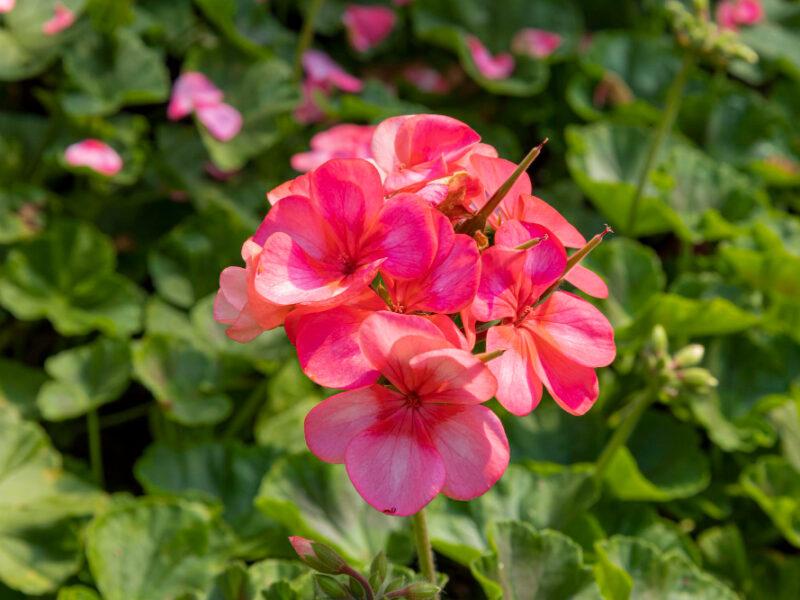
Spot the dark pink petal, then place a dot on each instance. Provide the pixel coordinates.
(190, 90)
(519, 388)
(451, 331)
(62, 18)
(574, 327)
(367, 26)
(423, 138)
(536, 43)
(404, 235)
(333, 423)
(222, 120)
(299, 186)
(493, 172)
(572, 385)
(298, 218)
(395, 466)
(497, 296)
(341, 141)
(473, 447)
(544, 262)
(469, 323)
(452, 376)
(95, 155)
(749, 12)
(587, 281)
(327, 346)
(499, 66)
(535, 210)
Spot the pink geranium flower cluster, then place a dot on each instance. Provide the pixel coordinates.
(193, 92)
(732, 14)
(389, 292)
(535, 43)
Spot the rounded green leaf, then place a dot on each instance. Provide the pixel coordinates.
(775, 486)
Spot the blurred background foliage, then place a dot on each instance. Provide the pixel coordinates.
(106, 288)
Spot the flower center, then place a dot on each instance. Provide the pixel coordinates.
(413, 400)
(349, 264)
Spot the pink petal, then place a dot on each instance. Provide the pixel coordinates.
(395, 466)
(367, 26)
(333, 423)
(536, 43)
(191, 90)
(451, 331)
(493, 172)
(222, 120)
(519, 388)
(749, 12)
(299, 186)
(426, 79)
(726, 14)
(576, 328)
(341, 141)
(298, 218)
(404, 234)
(452, 376)
(410, 178)
(225, 312)
(7, 5)
(320, 68)
(473, 447)
(497, 296)
(233, 284)
(499, 66)
(534, 210)
(587, 281)
(327, 346)
(62, 18)
(94, 154)
(544, 262)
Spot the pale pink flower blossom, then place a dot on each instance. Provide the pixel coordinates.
(536, 43)
(62, 19)
(367, 26)
(499, 66)
(95, 155)
(426, 79)
(341, 141)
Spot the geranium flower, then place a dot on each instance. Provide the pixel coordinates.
(95, 155)
(327, 341)
(414, 149)
(731, 14)
(7, 5)
(322, 75)
(341, 141)
(222, 120)
(240, 306)
(499, 66)
(536, 43)
(556, 343)
(367, 26)
(194, 92)
(327, 247)
(61, 19)
(426, 79)
(403, 446)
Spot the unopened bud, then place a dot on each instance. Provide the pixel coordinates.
(689, 356)
(395, 584)
(697, 377)
(481, 240)
(421, 590)
(318, 556)
(330, 586)
(377, 570)
(659, 339)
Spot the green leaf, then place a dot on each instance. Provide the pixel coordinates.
(775, 577)
(240, 583)
(725, 554)
(67, 275)
(775, 486)
(183, 380)
(545, 495)
(152, 549)
(261, 91)
(109, 73)
(785, 418)
(19, 386)
(526, 564)
(635, 569)
(77, 592)
(84, 378)
(661, 461)
(229, 473)
(317, 500)
(41, 510)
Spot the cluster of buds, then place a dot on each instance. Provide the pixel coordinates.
(717, 41)
(678, 372)
(376, 586)
(423, 279)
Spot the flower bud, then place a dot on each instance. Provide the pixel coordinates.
(697, 377)
(659, 339)
(377, 571)
(330, 586)
(318, 556)
(421, 590)
(689, 356)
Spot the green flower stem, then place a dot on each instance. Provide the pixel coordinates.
(674, 97)
(636, 408)
(125, 416)
(95, 447)
(306, 35)
(424, 550)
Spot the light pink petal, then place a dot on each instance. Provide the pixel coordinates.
(451, 331)
(245, 328)
(222, 120)
(499, 66)
(572, 385)
(382, 145)
(473, 447)
(423, 138)
(587, 281)
(299, 186)
(519, 388)
(395, 466)
(332, 423)
(576, 328)
(367, 26)
(404, 235)
(452, 376)
(536, 43)
(413, 177)
(535, 210)
(233, 284)
(322, 69)
(192, 89)
(61, 19)
(7, 5)
(94, 154)
(341, 141)
(225, 312)
(327, 346)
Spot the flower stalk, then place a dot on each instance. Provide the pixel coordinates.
(424, 549)
(95, 447)
(636, 408)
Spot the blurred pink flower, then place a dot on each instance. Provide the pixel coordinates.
(190, 91)
(341, 141)
(222, 120)
(536, 43)
(499, 66)
(403, 446)
(95, 155)
(323, 71)
(731, 14)
(426, 79)
(7, 5)
(367, 26)
(62, 18)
